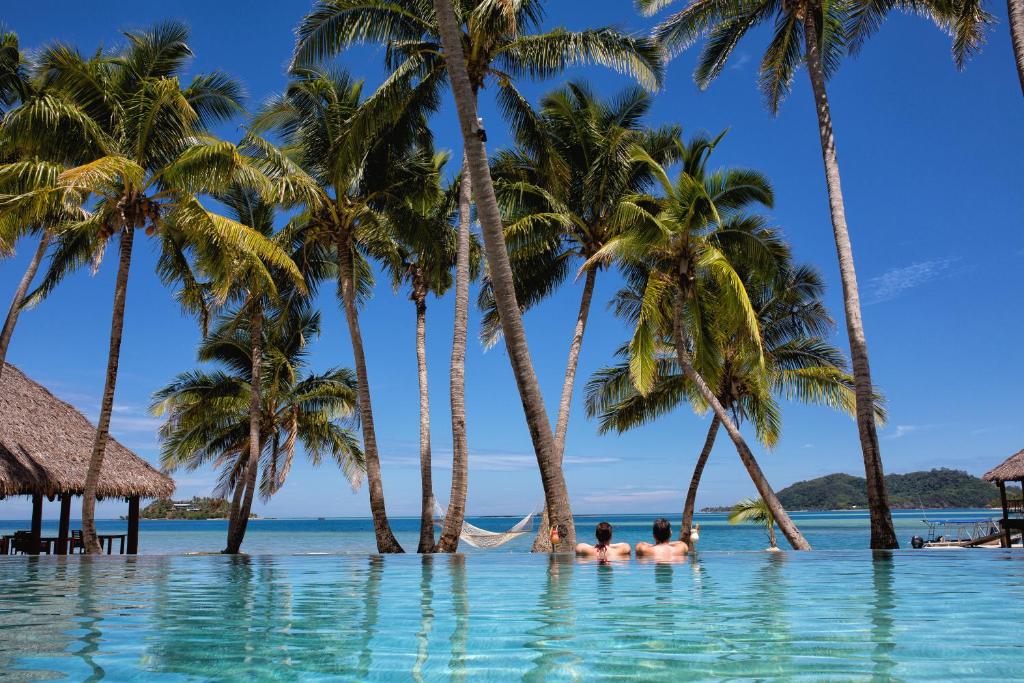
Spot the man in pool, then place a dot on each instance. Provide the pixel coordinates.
(663, 549)
(604, 550)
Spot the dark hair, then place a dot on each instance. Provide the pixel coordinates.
(662, 530)
(603, 533)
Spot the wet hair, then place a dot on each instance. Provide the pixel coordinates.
(662, 530)
(603, 533)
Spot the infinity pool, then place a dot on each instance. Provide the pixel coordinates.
(822, 615)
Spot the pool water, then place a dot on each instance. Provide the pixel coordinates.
(836, 615)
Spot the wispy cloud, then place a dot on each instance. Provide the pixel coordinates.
(627, 496)
(495, 462)
(897, 281)
(904, 430)
(740, 61)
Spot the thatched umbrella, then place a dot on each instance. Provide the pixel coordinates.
(1012, 469)
(45, 445)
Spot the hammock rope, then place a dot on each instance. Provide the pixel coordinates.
(482, 538)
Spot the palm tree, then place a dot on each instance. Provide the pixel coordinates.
(675, 258)
(347, 180)
(500, 42)
(153, 159)
(567, 188)
(799, 364)
(425, 241)
(821, 25)
(556, 494)
(29, 162)
(758, 512)
(208, 413)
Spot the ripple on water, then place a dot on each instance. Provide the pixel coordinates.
(831, 615)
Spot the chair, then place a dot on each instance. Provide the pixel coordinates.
(76, 542)
(22, 543)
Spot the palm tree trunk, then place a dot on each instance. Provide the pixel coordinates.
(1015, 15)
(386, 541)
(555, 491)
(99, 446)
(19, 296)
(236, 533)
(542, 542)
(883, 536)
(792, 534)
(456, 514)
(236, 499)
(698, 472)
(426, 544)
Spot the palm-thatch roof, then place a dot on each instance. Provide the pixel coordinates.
(1011, 470)
(45, 445)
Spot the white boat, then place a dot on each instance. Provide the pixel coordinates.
(959, 533)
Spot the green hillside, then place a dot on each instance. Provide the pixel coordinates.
(939, 488)
(196, 508)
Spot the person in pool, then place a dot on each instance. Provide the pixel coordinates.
(604, 550)
(662, 549)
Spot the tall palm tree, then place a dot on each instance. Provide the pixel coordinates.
(799, 364)
(347, 181)
(425, 241)
(556, 494)
(691, 247)
(31, 161)
(153, 159)
(567, 187)
(500, 42)
(208, 413)
(813, 32)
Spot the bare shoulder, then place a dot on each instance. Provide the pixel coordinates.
(620, 548)
(642, 548)
(679, 548)
(585, 549)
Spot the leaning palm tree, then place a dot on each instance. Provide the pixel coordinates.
(799, 364)
(346, 180)
(153, 159)
(758, 512)
(208, 412)
(31, 162)
(556, 494)
(568, 187)
(692, 247)
(813, 32)
(425, 246)
(501, 42)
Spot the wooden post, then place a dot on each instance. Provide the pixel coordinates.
(63, 531)
(133, 525)
(1006, 514)
(37, 523)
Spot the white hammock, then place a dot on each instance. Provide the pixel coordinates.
(482, 538)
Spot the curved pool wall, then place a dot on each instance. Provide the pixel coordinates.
(842, 615)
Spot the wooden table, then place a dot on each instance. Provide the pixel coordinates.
(109, 538)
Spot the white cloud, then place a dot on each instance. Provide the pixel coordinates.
(741, 61)
(626, 497)
(904, 430)
(897, 281)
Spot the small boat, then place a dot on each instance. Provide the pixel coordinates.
(959, 533)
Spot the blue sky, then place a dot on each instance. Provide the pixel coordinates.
(932, 176)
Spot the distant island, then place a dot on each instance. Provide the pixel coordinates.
(196, 508)
(938, 488)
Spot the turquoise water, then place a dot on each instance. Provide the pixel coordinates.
(825, 531)
(835, 615)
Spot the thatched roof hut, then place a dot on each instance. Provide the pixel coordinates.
(45, 446)
(1011, 470)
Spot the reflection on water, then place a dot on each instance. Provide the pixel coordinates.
(887, 616)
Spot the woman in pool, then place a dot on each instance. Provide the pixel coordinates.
(604, 550)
